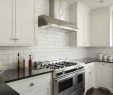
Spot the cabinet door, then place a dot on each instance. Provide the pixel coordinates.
(100, 35)
(89, 75)
(7, 22)
(25, 27)
(83, 23)
(104, 76)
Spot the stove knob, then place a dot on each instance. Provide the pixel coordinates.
(59, 74)
(80, 67)
(63, 72)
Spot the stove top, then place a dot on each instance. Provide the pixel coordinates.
(63, 67)
(59, 65)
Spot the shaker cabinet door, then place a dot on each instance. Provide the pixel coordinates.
(89, 75)
(100, 29)
(104, 75)
(17, 26)
(83, 23)
(25, 27)
(7, 22)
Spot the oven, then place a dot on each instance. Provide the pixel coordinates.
(72, 83)
(64, 85)
(79, 83)
(80, 79)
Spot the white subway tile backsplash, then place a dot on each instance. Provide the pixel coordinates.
(94, 52)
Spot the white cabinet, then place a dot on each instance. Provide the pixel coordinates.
(99, 74)
(38, 85)
(89, 75)
(25, 28)
(101, 27)
(83, 23)
(80, 15)
(17, 22)
(104, 75)
(6, 23)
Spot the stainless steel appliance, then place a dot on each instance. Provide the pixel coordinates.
(68, 78)
(54, 19)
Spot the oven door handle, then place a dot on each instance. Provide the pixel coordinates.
(64, 78)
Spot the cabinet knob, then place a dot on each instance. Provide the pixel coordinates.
(15, 39)
(31, 84)
(84, 43)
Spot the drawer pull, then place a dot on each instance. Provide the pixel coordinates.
(15, 39)
(31, 84)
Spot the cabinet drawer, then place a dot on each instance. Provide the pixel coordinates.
(32, 84)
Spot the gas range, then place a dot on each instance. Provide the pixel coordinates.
(68, 78)
(62, 68)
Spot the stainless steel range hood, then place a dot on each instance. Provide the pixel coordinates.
(49, 22)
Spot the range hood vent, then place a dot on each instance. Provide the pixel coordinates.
(50, 22)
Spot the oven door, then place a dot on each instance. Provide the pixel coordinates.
(64, 85)
(80, 79)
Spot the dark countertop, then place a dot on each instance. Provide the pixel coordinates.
(6, 90)
(15, 74)
(89, 60)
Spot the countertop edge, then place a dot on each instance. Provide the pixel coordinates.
(27, 77)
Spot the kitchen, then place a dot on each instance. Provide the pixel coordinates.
(88, 41)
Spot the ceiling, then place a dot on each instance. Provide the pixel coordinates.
(93, 4)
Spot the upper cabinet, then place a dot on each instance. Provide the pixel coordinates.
(83, 23)
(101, 27)
(17, 22)
(80, 15)
(25, 26)
(7, 33)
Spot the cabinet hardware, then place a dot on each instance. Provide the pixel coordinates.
(15, 39)
(31, 84)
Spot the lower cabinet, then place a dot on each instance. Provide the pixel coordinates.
(89, 75)
(38, 85)
(104, 75)
(99, 74)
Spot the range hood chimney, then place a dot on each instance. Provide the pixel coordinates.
(53, 21)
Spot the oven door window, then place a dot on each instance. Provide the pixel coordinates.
(65, 84)
(79, 78)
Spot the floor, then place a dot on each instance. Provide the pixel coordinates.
(98, 91)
